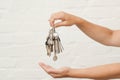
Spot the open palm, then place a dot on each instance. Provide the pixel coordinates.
(56, 73)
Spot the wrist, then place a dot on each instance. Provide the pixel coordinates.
(77, 73)
(68, 74)
(79, 21)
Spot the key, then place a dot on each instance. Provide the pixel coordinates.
(57, 43)
(60, 45)
(47, 48)
(49, 43)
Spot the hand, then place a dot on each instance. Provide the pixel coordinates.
(66, 19)
(56, 73)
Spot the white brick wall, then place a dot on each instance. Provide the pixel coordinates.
(24, 27)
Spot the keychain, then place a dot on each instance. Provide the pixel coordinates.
(53, 44)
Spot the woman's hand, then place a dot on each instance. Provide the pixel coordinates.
(66, 19)
(56, 73)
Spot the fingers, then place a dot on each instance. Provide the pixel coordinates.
(45, 67)
(48, 69)
(52, 21)
(56, 73)
(55, 17)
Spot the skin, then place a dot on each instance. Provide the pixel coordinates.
(96, 32)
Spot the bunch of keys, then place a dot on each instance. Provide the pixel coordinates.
(53, 44)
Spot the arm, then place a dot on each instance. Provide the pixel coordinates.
(98, 33)
(99, 72)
